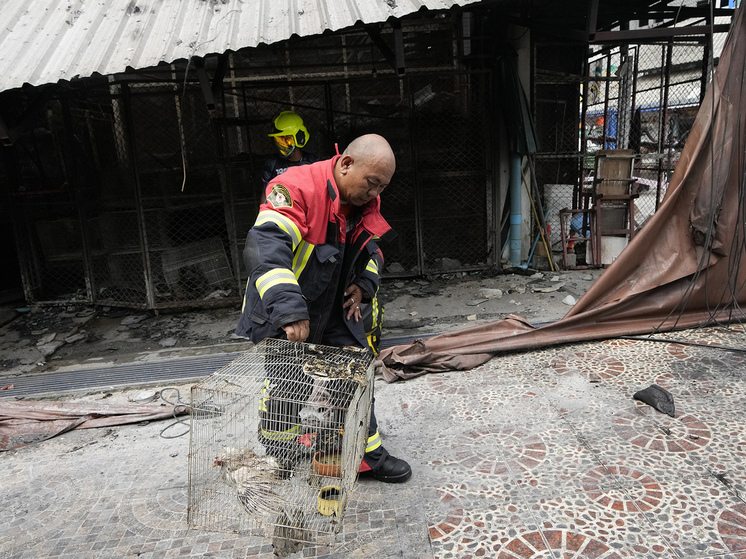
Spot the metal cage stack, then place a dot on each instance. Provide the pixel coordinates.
(277, 437)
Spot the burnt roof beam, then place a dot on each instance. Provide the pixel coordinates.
(9, 134)
(204, 82)
(5, 135)
(592, 20)
(549, 29)
(601, 17)
(220, 70)
(394, 57)
(657, 33)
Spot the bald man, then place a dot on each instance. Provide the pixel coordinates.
(313, 263)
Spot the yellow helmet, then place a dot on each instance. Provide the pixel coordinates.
(289, 133)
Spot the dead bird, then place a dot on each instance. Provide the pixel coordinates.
(253, 477)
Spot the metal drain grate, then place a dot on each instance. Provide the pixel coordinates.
(117, 376)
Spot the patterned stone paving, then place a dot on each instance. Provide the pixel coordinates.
(532, 455)
(630, 481)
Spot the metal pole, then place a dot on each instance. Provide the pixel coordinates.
(516, 217)
(130, 132)
(415, 177)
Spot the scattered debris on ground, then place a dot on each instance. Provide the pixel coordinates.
(46, 338)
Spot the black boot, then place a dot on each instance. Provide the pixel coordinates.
(384, 467)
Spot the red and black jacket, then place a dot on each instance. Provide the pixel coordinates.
(295, 257)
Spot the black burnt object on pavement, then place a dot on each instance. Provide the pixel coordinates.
(657, 397)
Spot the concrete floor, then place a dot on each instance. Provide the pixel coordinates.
(535, 454)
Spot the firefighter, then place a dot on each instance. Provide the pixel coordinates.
(313, 262)
(290, 137)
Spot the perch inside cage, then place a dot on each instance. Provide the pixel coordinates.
(277, 437)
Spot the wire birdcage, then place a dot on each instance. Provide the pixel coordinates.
(277, 438)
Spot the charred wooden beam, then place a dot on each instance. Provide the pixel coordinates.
(204, 82)
(394, 57)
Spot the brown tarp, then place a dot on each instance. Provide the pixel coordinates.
(681, 270)
(25, 422)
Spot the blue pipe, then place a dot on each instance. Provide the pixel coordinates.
(516, 215)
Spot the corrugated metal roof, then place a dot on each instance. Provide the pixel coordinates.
(43, 41)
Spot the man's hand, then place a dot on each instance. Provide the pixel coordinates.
(354, 296)
(297, 331)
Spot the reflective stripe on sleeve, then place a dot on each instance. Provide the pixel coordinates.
(302, 254)
(372, 266)
(371, 334)
(375, 310)
(284, 223)
(373, 442)
(274, 278)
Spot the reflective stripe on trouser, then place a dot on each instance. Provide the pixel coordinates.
(266, 415)
(280, 420)
(374, 442)
(283, 395)
(374, 445)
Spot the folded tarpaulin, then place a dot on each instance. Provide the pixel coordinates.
(682, 270)
(24, 422)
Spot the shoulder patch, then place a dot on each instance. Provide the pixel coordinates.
(280, 197)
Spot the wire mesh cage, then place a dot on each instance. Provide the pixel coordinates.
(277, 437)
(645, 98)
(639, 97)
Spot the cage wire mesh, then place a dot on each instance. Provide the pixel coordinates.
(140, 194)
(555, 167)
(277, 437)
(100, 214)
(184, 213)
(119, 200)
(445, 116)
(456, 220)
(659, 133)
(117, 268)
(50, 191)
(642, 97)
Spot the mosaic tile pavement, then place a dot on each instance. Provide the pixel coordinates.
(537, 454)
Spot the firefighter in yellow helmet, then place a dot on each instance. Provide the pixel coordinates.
(290, 137)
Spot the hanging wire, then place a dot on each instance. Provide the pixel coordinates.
(684, 342)
(194, 45)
